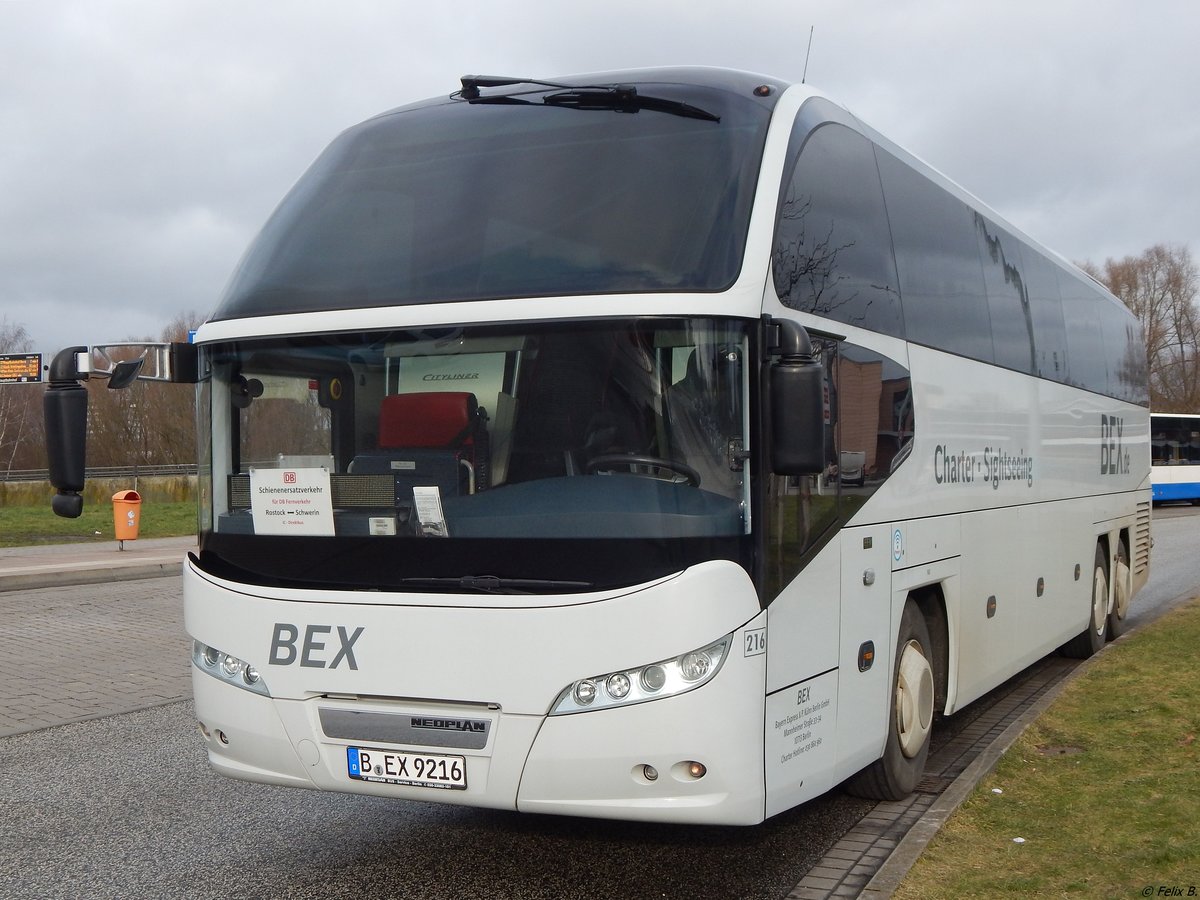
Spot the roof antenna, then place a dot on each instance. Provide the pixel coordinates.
(807, 53)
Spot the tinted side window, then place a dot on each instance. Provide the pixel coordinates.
(937, 258)
(832, 254)
(1083, 311)
(1007, 296)
(1128, 372)
(1050, 335)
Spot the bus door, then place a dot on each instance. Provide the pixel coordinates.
(865, 645)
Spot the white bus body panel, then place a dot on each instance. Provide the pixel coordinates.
(945, 531)
(436, 655)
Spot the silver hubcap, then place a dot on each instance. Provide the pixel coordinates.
(1099, 600)
(914, 699)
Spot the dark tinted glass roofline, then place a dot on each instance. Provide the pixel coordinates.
(819, 109)
(384, 215)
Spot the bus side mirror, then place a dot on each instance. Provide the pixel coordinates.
(124, 374)
(64, 407)
(797, 382)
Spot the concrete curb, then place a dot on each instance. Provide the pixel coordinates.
(904, 857)
(23, 581)
(62, 565)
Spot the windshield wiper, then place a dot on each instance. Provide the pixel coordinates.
(625, 98)
(494, 584)
(615, 97)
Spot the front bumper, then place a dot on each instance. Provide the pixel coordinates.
(587, 764)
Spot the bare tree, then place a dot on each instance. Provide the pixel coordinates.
(169, 410)
(1160, 287)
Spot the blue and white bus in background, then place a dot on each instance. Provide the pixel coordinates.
(521, 425)
(1175, 457)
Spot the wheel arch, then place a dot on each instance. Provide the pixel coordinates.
(931, 601)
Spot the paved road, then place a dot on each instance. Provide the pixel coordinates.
(126, 806)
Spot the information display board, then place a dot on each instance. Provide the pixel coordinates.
(20, 368)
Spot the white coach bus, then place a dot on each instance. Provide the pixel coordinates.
(521, 424)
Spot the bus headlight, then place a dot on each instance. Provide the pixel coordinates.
(665, 678)
(227, 668)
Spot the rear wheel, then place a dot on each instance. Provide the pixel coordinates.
(910, 721)
(1092, 638)
(1122, 584)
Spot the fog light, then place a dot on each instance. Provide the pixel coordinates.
(694, 666)
(653, 678)
(618, 685)
(696, 769)
(650, 773)
(585, 692)
(222, 737)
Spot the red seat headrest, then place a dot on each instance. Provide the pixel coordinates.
(436, 419)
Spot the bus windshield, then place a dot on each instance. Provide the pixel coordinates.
(525, 198)
(479, 451)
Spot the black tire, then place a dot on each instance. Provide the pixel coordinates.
(910, 716)
(1122, 590)
(1091, 640)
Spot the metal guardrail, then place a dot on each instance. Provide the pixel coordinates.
(104, 472)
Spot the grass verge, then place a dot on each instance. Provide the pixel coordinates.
(23, 526)
(1103, 791)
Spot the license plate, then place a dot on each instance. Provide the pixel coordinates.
(433, 770)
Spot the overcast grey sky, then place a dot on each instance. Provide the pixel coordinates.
(143, 143)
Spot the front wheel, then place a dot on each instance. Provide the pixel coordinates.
(910, 721)
(1091, 640)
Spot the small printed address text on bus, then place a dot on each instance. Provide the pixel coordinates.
(803, 726)
(992, 466)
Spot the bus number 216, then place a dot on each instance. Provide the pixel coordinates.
(756, 642)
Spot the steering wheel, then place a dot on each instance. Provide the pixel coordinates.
(605, 460)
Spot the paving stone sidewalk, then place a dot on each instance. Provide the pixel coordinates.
(75, 653)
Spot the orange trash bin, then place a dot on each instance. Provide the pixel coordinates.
(127, 506)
